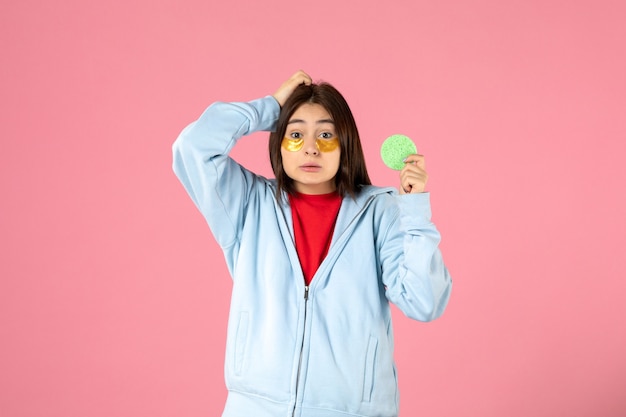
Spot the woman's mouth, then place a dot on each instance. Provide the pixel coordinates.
(310, 167)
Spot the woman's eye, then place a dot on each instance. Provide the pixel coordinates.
(295, 135)
(327, 135)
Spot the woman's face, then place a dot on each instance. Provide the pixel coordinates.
(310, 150)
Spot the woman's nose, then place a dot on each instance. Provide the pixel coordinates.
(310, 147)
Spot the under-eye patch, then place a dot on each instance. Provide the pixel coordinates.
(292, 145)
(324, 145)
(327, 145)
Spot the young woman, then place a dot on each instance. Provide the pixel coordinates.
(316, 255)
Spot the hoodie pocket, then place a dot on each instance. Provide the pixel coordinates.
(241, 340)
(370, 361)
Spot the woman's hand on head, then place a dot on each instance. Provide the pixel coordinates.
(284, 91)
(413, 176)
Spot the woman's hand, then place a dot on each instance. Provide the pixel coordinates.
(413, 176)
(284, 91)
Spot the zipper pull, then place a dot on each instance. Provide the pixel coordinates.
(306, 292)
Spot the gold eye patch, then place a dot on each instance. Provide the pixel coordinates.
(292, 145)
(327, 145)
(324, 145)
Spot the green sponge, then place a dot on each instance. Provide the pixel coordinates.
(394, 149)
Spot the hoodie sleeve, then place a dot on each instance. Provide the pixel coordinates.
(218, 186)
(413, 272)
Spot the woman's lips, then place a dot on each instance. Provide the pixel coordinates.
(310, 167)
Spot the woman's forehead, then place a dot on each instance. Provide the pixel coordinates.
(311, 113)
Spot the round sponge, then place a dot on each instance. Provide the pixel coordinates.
(394, 149)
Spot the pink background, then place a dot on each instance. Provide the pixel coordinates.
(114, 296)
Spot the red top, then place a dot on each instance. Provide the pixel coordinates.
(314, 219)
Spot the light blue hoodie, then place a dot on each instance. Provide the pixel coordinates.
(325, 350)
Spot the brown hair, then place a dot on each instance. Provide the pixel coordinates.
(352, 173)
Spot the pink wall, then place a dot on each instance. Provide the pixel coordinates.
(114, 297)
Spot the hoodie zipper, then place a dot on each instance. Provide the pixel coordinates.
(306, 299)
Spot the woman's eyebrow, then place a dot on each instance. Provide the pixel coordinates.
(319, 122)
